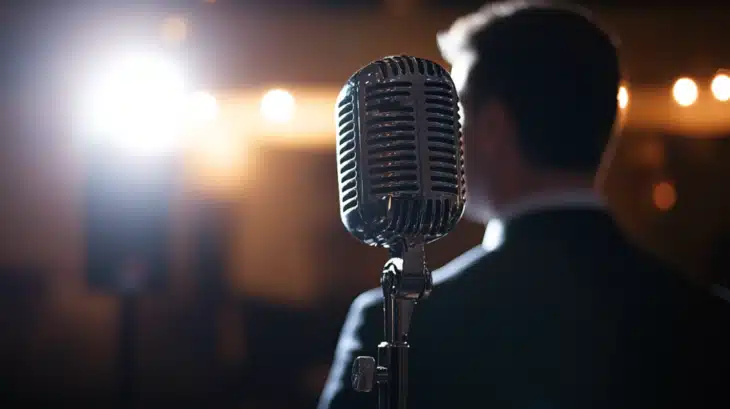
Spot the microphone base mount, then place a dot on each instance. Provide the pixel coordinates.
(405, 280)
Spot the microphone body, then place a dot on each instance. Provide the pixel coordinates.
(400, 152)
(402, 185)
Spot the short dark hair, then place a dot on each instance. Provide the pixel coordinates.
(554, 69)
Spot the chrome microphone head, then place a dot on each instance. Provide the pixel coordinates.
(400, 152)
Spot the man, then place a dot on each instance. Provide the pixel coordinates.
(556, 309)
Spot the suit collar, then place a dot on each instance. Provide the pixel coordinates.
(579, 199)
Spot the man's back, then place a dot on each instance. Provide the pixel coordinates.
(564, 314)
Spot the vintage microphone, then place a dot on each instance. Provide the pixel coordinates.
(401, 182)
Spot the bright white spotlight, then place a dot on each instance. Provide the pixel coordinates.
(623, 97)
(203, 108)
(278, 106)
(136, 104)
(685, 92)
(721, 87)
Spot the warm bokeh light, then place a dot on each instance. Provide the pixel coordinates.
(685, 92)
(221, 150)
(664, 196)
(174, 29)
(203, 108)
(217, 160)
(278, 106)
(623, 97)
(721, 87)
(136, 105)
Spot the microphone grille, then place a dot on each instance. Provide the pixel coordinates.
(391, 129)
(404, 65)
(347, 152)
(390, 137)
(443, 131)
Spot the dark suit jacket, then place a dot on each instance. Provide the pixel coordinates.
(564, 314)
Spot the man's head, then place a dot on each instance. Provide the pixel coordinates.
(538, 85)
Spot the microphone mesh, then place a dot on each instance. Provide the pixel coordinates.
(347, 153)
(443, 141)
(391, 138)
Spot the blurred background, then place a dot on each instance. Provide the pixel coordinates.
(169, 223)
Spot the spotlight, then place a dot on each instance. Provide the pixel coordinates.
(135, 104)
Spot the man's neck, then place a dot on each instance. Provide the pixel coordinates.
(549, 199)
(533, 184)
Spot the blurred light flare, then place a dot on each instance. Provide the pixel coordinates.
(685, 92)
(220, 150)
(202, 108)
(219, 159)
(136, 104)
(623, 97)
(721, 87)
(278, 106)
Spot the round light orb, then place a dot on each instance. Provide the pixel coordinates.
(664, 196)
(685, 92)
(136, 104)
(278, 106)
(721, 87)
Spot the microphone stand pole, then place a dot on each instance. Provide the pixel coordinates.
(405, 280)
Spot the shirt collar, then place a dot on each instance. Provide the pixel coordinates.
(570, 199)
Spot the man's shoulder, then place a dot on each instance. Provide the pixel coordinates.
(460, 265)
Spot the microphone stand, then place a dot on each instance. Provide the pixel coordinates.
(405, 280)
